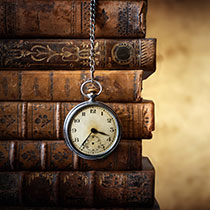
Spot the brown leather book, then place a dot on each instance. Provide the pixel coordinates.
(73, 54)
(65, 85)
(44, 120)
(155, 206)
(79, 189)
(55, 155)
(70, 18)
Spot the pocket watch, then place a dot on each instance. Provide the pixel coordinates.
(92, 129)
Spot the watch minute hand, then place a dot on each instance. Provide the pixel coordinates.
(85, 140)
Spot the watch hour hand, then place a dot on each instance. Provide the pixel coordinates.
(93, 130)
(103, 133)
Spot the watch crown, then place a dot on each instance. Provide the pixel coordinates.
(91, 96)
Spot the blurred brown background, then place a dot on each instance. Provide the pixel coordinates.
(180, 148)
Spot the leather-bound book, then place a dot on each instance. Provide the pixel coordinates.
(79, 189)
(65, 85)
(55, 155)
(155, 206)
(73, 54)
(44, 120)
(71, 18)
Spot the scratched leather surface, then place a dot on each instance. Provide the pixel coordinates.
(65, 19)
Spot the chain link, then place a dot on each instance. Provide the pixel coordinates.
(95, 89)
(92, 38)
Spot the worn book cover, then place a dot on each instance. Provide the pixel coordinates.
(65, 85)
(44, 120)
(73, 54)
(79, 189)
(55, 155)
(71, 18)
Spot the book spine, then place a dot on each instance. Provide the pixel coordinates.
(65, 85)
(78, 189)
(44, 120)
(70, 19)
(73, 54)
(155, 206)
(55, 155)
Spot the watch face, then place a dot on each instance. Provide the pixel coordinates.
(92, 130)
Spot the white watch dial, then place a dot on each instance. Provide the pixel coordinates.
(93, 130)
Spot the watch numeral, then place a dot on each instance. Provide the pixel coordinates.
(111, 129)
(109, 120)
(76, 139)
(73, 130)
(83, 114)
(76, 120)
(92, 111)
(109, 139)
(103, 146)
(102, 113)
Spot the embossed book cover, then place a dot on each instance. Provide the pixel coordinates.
(70, 18)
(55, 155)
(60, 85)
(44, 120)
(73, 54)
(79, 189)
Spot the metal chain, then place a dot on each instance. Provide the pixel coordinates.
(96, 88)
(92, 38)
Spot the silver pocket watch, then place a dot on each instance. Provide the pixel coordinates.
(92, 129)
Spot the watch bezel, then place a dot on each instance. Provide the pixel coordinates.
(69, 118)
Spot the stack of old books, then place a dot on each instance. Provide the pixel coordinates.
(44, 60)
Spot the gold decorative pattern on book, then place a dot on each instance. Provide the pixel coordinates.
(39, 53)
